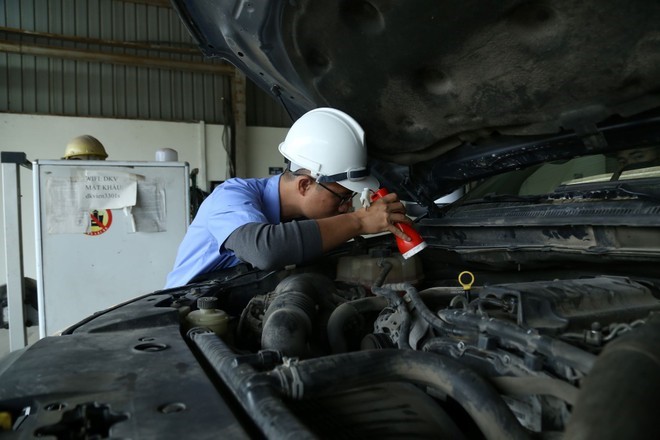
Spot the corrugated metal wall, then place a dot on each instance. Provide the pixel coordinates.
(58, 84)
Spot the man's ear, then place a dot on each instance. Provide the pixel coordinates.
(304, 184)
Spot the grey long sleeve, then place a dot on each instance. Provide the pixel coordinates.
(267, 246)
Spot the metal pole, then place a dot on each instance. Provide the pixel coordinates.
(192, 50)
(11, 200)
(112, 58)
(238, 100)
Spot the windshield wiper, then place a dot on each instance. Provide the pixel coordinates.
(618, 190)
(488, 198)
(607, 192)
(640, 194)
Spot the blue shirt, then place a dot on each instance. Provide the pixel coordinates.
(234, 203)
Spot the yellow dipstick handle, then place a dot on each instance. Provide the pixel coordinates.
(467, 285)
(5, 421)
(465, 279)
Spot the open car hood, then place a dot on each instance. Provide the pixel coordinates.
(451, 92)
(534, 310)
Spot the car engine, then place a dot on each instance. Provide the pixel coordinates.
(368, 343)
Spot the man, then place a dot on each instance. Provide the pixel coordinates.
(293, 217)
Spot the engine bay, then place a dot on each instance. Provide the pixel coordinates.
(359, 344)
(369, 342)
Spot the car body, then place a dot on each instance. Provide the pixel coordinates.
(532, 313)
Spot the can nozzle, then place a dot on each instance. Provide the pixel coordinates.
(407, 248)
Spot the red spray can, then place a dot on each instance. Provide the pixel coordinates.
(407, 248)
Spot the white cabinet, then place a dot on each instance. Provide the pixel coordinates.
(106, 232)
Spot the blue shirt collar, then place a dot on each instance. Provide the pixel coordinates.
(272, 200)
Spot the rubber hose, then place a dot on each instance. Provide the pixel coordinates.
(550, 347)
(449, 320)
(347, 313)
(311, 378)
(531, 385)
(287, 324)
(252, 390)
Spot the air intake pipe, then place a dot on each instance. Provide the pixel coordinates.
(288, 319)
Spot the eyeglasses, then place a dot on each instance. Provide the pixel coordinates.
(342, 199)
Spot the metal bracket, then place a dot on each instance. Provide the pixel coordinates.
(583, 122)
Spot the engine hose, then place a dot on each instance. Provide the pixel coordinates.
(435, 322)
(318, 287)
(619, 398)
(513, 385)
(252, 390)
(310, 378)
(287, 324)
(449, 320)
(527, 386)
(346, 314)
(528, 340)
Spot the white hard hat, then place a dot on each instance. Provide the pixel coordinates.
(330, 144)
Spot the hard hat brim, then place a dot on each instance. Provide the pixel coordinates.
(358, 186)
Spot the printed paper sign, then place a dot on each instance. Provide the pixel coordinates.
(70, 199)
(107, 189)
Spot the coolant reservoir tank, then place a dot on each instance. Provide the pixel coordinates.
(366, 269)
(208, 316)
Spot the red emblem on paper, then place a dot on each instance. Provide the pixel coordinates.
(99, 221)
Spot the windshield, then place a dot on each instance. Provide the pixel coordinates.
(545, 178)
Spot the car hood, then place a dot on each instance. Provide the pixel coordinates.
(450, 92)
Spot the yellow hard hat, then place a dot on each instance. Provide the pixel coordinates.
(84, 145)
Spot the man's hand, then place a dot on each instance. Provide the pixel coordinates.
(382, 215)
